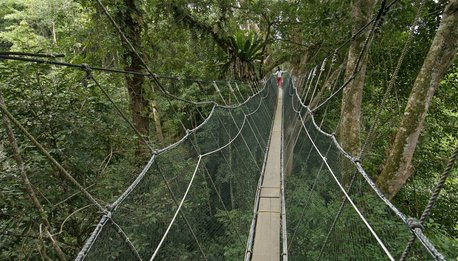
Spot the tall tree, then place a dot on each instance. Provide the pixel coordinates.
(352, 95)
(398, 167)
(132, 18)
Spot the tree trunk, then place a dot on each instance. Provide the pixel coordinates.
(157, 122)
(54, 35)
(138, 102)
(399, 167)
(131, 18)
(352, 94)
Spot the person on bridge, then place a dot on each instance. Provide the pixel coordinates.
(279, 75)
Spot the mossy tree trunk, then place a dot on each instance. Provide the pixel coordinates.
(349, 131)
(349, 128)
(398, 167)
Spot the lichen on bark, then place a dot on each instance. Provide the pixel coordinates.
(398, 167)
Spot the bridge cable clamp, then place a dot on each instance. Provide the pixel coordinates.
(87, 69)
(323, 65)
(334, 57)
(413, 224)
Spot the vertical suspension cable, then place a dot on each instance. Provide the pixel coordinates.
(363, 219)
(181, 212)
(432, 200)
(217, 192)
(158, 247)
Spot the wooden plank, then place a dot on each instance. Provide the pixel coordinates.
(267, 233)
(266, 247)
(269, 192)
(269, 205)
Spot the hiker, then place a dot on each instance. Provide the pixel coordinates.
(279, 75)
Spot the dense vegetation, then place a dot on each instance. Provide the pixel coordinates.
(243, 40)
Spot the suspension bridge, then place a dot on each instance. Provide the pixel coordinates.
(259, 178)
(247, 144)
(225, 182)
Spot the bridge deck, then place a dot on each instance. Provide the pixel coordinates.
(267, 233)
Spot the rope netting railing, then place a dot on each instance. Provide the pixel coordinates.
(334, 209)
(93, 108)
(339, 213)
(194, 199)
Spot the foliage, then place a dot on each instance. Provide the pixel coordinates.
(248, 54)
(79, 126)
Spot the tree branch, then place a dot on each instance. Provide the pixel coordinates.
(182, 15)
(26, 182)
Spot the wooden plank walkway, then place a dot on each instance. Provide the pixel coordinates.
(267, 234)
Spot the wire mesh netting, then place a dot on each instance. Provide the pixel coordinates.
(194, 199)
(334, 210)
(85, 120)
